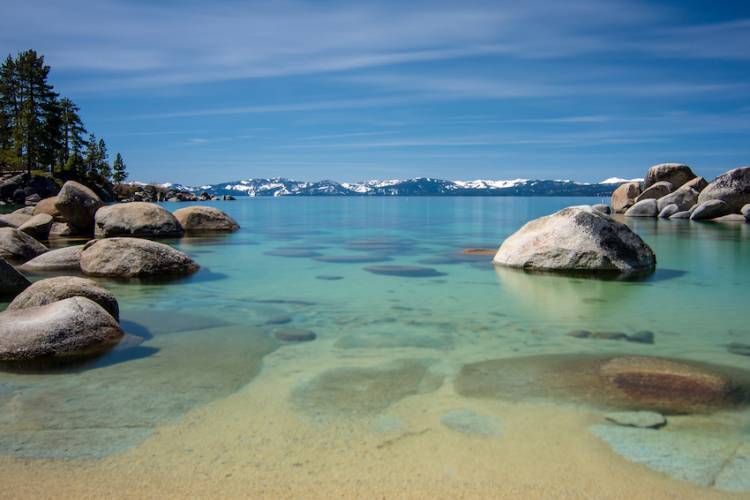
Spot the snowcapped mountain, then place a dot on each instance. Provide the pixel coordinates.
(422, 186)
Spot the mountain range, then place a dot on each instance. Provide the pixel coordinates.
(422, 186)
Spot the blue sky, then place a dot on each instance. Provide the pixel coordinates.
(200, 92)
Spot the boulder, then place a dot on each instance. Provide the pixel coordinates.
(668, 385)
(732, 187)
(600, 207)
(16, 245)
(11, 281)
(61, 259)
(684, 198)
(577, 239)
(698, 184)
(669, 211)
(70, 328)
(205, 219)
(38, 226)
(50, 290)
(134, 257)
(62, 230)
(710, 209)
(624, 196)
(33, 199)
(675, 173)
(136, 219)
(681, 215)
(47, 206)
(730, 218)
(78, 204)
(746, 212)
(644, 208)
(656, 191)
(24, 211)
(14, 219)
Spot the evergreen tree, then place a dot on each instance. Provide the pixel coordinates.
(103, 169)
(71, 131)
(120, 172)
(9, 111)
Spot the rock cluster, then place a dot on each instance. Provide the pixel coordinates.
(673, 191)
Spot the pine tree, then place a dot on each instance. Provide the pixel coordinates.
(72, 131)
(9, 111)
(120, 169)
(102, 167)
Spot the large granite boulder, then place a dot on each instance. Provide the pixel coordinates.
(199, 219)
(656, 191)
(134, 257)
(67, 329)
(61, 259)
(684, 198)
(681, 215)
(624, 196)
(746, 212)
(47, 206)
(667, 385)
(710, 209)
(38, 226)
(698, 184)
(644, 208)
(50, 290)
(63, 230)
(675, 173)
(732, 187)
(576, 239)
(14, 219)
(18, 246)
(138, 218)
(78, 204)
(669, 211)
(11, 281)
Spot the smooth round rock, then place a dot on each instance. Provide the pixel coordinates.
(698, 184)
(576, 239)
(681, 215)
(710, 209)
(78, 204)
(640, 419)
(643, 208)
(745, 211)
(69, 328)
(11, 281)
(14, 219)
(675, 173)
(134, 257)
(624, 196)
(600, 207)
(294, 335)
(38, 226)
(50, 290)
(198, 219)
(684, 198)
(139, 219)
(669, 211)
(733, 188)
(656, 191)
(17, 246)
(61, 259)
(47, 206)
(404, 271)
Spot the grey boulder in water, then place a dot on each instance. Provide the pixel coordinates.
(576, 239)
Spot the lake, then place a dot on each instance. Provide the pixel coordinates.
(391, 398)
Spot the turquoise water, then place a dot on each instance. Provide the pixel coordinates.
(301, 263)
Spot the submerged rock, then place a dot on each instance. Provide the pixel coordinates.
(294, 335)
(739, 348)
(576, 239)
(134, 257)
(70, 328)
(405, 271)
(471, 423)
(710, 209)
(733, 188)
(136, 219)
(205, 219)
(51, 290)
(11, 281)
(641, 419)
(17, 246)
(643, 208)
(78, 204)
(61, 259)
(624, 196)
(676, 174)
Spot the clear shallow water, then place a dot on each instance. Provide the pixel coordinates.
(383, 341)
